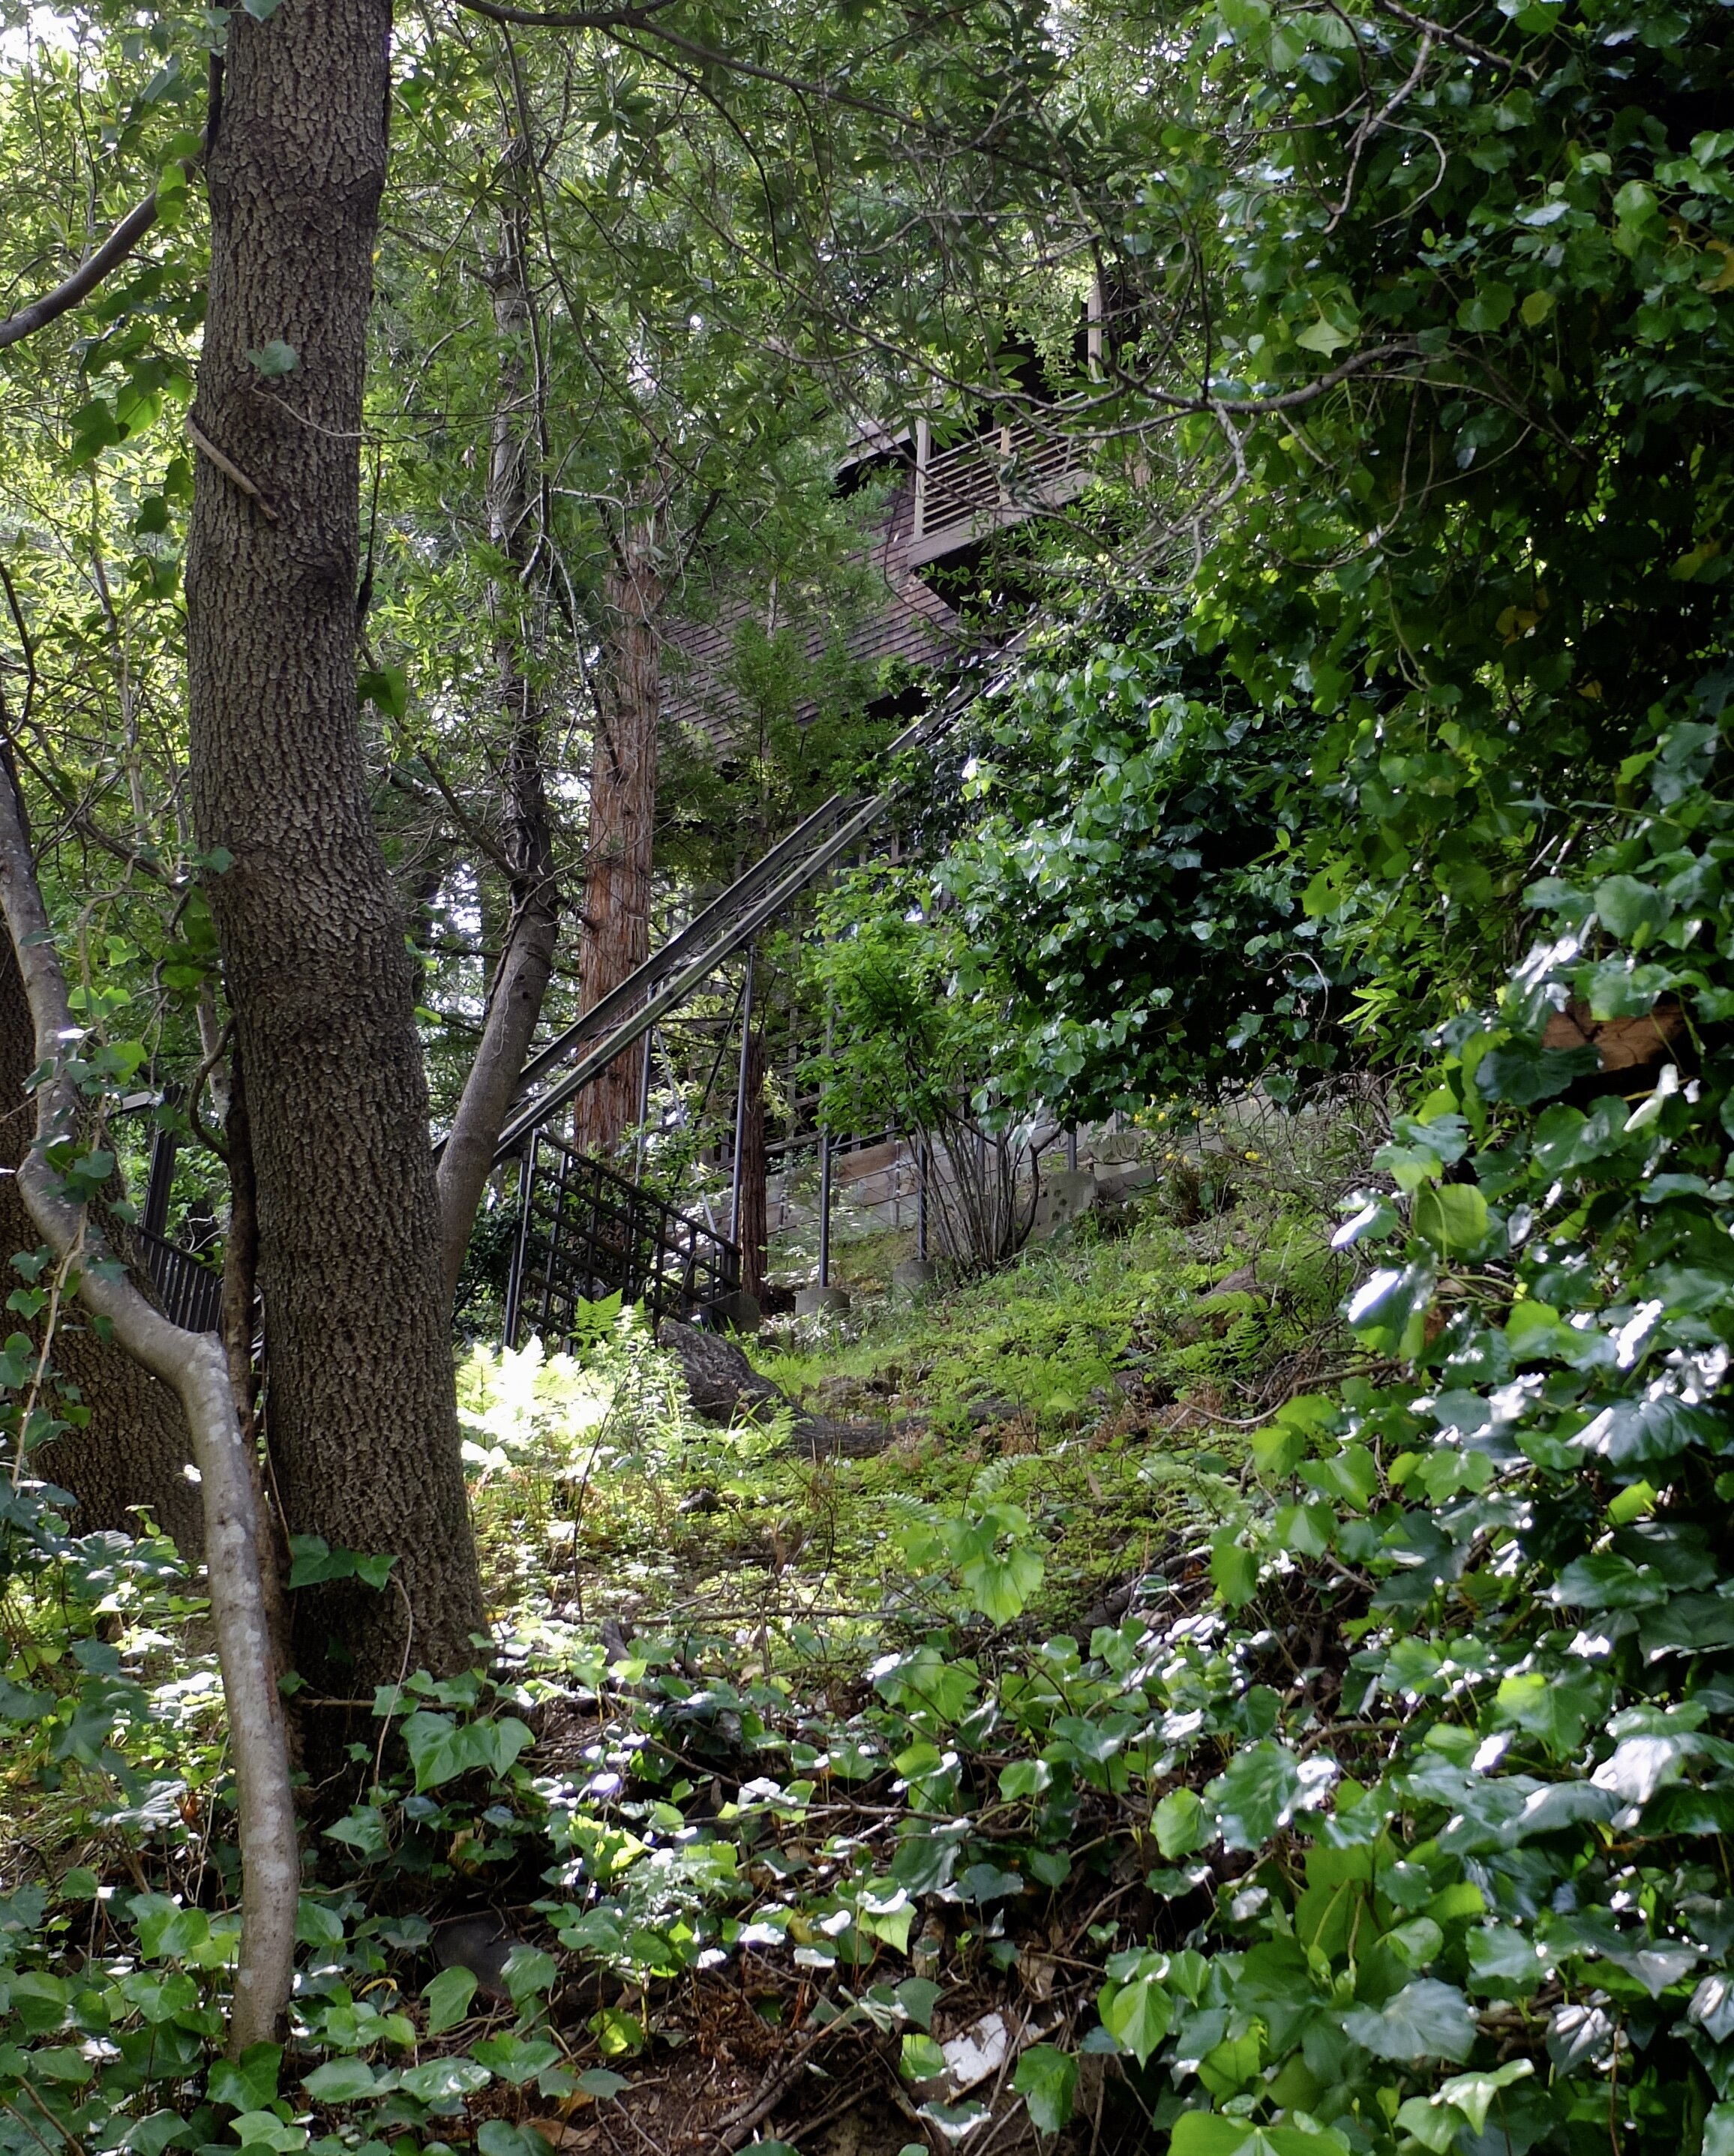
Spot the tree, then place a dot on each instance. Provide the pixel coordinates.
(363, 1420)
(621, 838)
(57, 1179)
(911, 1056)
(519, 611)
(309, 928)
(131, 1449)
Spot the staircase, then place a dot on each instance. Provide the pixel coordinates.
(586, 1231)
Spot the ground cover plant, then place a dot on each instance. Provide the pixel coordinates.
(1250, 1677)
(1382, 1814)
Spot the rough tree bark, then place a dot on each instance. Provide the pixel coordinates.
(136, 1449)
(622, 814)
(195, 1366)
(364, 1428)
(526, 959)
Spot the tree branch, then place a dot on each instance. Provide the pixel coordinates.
(194, 1366)
(568, 19)
(84, 279)
(1284, 400)
(120, 243)
(1455, 38)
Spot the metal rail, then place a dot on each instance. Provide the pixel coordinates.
(688, 959)
(191, 1292)
(585, 1232)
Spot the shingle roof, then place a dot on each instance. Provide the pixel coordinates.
(911, 623)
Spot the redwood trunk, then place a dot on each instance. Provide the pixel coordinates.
(623, 819)
(526, 959)
(363, 1418)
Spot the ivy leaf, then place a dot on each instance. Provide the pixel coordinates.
(528, 1973)
(1219, 2133)
(1630, 910)
(18, 1705)
(1182, 1823)
(921, 2059)
(264, 2129)
(1255, 1795)
(499, 2136)
(1473, 2093)
(449, 1997)
(954, 2121)
(1137, 2015)
(1435, 2125)
(1427, 2019)
(1452, 1216)
(1047, 2080)
(275, 359)
(1389, 1312)
(249, 2083)
(516, 2060)
(918, 1996)
(603, 2084)
(1233, 1571)
(1000, 1585)
(439, 2078)
(441, 1748)
(1555, 1708)
(1719, 2130)
(343, 2080)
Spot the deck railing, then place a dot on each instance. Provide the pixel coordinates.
(964, 493)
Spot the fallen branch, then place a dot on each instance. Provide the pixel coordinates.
(194, 1365)
(735, 2128)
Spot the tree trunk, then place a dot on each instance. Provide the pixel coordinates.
(526, 958)
(136, 1450)
(363, 1415)
(623, 815)
(195, 1365)
(752, 1229)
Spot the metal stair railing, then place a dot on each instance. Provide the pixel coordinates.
(688, 959)
(585, 1232)
(191, 1292)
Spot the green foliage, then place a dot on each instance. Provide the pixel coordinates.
(559, 1446)
(1131, 881)
(1419, 1742)
(905, 1053)
(1446, 374)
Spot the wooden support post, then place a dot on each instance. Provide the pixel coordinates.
(638, 1167)
(824, 1178)
(922, 1160)
(741, 1097)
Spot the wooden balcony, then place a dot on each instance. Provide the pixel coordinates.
(967, 493)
